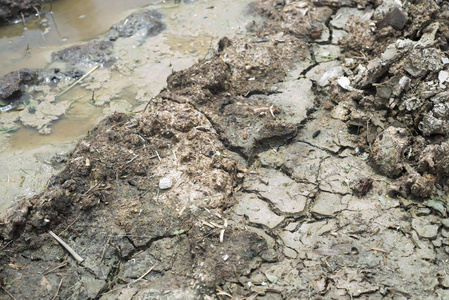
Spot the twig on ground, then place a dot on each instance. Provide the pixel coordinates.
(4, 247)
(76, 82)
(158, 155)
(70, 225)
(57, 291)
(55, 268)
(38, 13)
(223, 293)
(146, 106)
(67, 247)
(141, 277)
(238, 278)
(92, 187)
(132, 159)
(377, 249)
(9, 294)
(104, 249)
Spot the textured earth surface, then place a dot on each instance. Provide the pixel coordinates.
(306, 160)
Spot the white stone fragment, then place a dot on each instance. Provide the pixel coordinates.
(165, 183)
(442, 78)
(345, 83)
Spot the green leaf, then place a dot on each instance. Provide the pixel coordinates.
(6, 130)
(178, 232)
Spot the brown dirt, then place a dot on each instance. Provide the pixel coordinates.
(265, 203)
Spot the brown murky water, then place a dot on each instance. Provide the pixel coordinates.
(192, 31)
(28, 45)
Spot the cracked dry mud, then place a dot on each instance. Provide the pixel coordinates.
(270, 146)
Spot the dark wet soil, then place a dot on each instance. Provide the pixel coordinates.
(299, 167)
(14, 10)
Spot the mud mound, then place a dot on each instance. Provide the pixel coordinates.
(144, 23)
(402, 88)
(96, 52)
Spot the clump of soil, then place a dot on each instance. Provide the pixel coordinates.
(96, 52)
(406, 82)
(13, 10)
(14, 84)
(144, 23)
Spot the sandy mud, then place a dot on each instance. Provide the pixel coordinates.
(306, 160)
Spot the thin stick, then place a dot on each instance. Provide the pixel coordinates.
(377, 249)
(23, 19)
(67, 247)
(38, 13)
(141, 277)
(76, 82)
(70, 225)
(132, 159)
(9, 294)
(54, 269)
(6, 243)
(104, 249)
(57, 291)
(158, 155)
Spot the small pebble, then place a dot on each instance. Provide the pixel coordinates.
(165, 183)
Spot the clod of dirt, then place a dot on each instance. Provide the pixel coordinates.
(435, 160)
(395, 18)
(96, 52)
(242, 122)
(360, 36)
(143, 24)
(414, 184)
(11, 84)
(388, 150)
(14, 84)
(363, 186)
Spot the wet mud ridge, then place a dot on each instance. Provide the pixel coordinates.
(306, 161)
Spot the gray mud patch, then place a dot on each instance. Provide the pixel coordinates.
(333, 192)
(144, 23)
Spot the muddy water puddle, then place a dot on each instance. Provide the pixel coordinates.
(192, 32)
